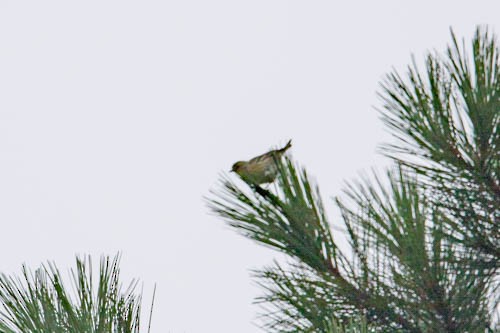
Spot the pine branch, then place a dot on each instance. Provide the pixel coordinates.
(40, 302)
(421, 269)
(447, 123)
(291, 221)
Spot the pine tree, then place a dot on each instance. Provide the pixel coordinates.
(40, 302)
(424, 236)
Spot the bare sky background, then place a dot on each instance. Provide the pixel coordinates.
(116, 118)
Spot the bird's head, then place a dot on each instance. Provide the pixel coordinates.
(237, 166)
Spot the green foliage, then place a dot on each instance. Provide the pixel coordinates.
(40, 302)
(357, 325)
(447, 122)
(293, 222)
(413, 264)
(425, 238)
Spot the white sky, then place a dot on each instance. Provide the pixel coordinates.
(117, 116)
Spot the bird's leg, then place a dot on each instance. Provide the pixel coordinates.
(263, 192)
(268, 195)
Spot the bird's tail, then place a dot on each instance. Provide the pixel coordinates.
(287, 146)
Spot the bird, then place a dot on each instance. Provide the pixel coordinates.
(261, 169)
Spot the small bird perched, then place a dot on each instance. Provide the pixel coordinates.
(261, 169)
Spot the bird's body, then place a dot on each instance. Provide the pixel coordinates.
(261, 169)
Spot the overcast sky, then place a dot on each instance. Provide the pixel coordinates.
(116, 118)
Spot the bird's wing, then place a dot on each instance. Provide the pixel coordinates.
(264, 158)
(269, 156)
